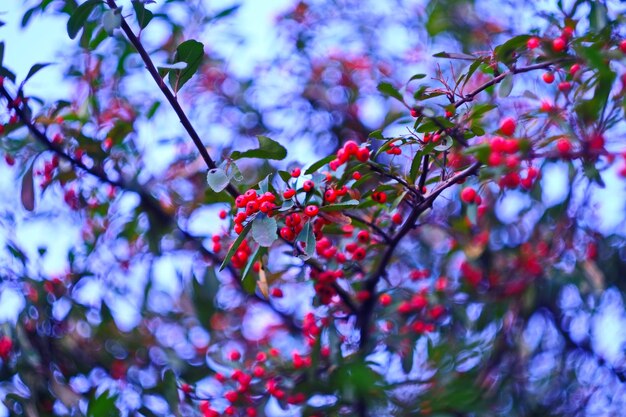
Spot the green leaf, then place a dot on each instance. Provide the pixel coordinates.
(144, 16)
(34, 69)
(454, 55)
(190, 52)
(317, 165)
(504, 52)
(597, 16)
(170, 389)
(204, 296)
(79, 17)
(247, 279)
(472, 213)
(233, 248)
(226, 12)
(217, 179)
(340, 206)
(307, 237)
(103, 406)
(111, 20)
(389, 90)
(268, 149)
(376, 134)
(506, 86)
(28, 190)
(27, 16)
(264, 230)
(416, 77)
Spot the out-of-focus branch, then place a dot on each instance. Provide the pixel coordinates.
(147, 200)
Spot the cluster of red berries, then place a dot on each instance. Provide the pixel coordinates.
(324, 281)
(431, 137)
(471, 274)
(240, 258)
(48, 170)
(251, 203)
(379, 197)
(293, 226)
(422, 317)
(350, 148)
(393, 149)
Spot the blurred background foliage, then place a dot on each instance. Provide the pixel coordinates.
(138, 320)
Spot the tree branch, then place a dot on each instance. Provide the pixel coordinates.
(171, 98)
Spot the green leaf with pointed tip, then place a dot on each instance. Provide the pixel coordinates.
(307, 237)
(454, 55)
(268, 149)
(190, 52)
(35, 69)
(389, 90)
(144, 16)
(28, 190)
(233, 248)
(506, 86)
(505, 52)
(247, 279)
(317, 165)
(79, 17)
(340, 206)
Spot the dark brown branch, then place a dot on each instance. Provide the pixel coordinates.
(470, 96)
(171, 98)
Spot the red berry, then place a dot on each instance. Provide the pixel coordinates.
(363, 236)
(359, 254)
(564, 86)
(546, 106)
(507, 126)
(532, 43)
(350, 148)
(295, 173)
(6, 344)
(277, 292)
(567, 32)
(311, 210)
(559, 45)
(356, 175)
(223, 214)
(564, 146)
(415, 113)
(287, 234)
(330, 195)
(231, 396)
(288, 193)
(9, 160)
(363, 154)
(468, 195)
(308, 185)
(574, 69)
(622, 46)
(385, 300)
(234, 355)
(548, 77)
(396, 218)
